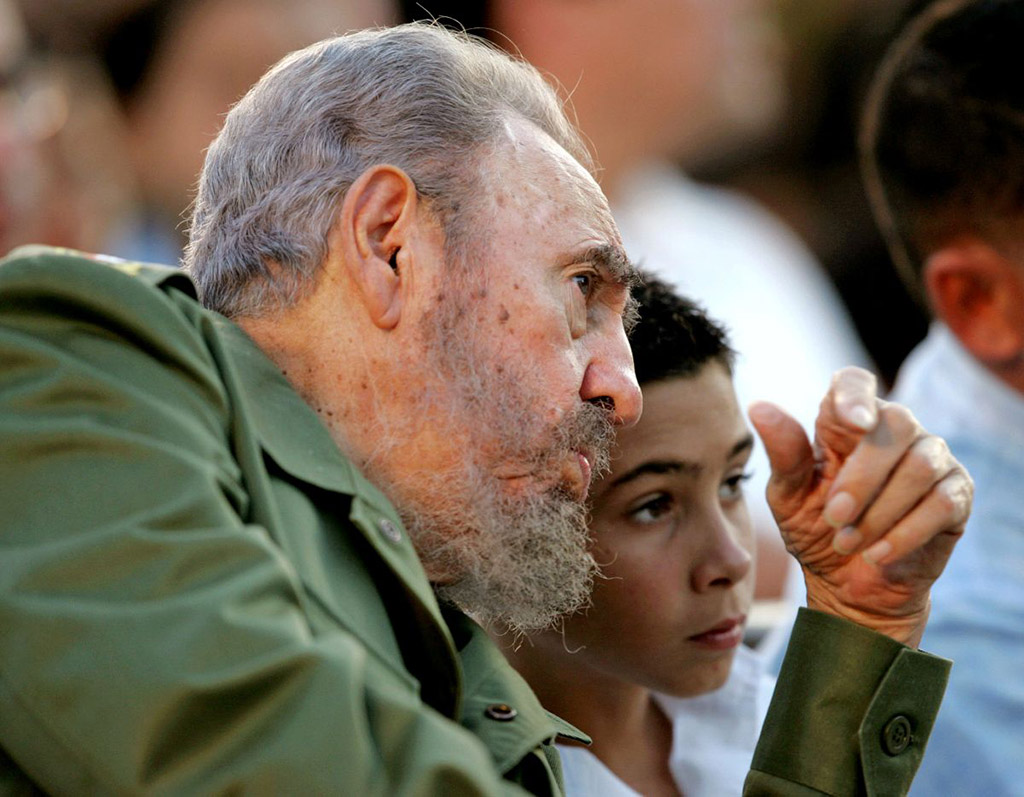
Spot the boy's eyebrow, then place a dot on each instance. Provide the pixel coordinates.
(743, 445)
(686, 466)
(659, 466)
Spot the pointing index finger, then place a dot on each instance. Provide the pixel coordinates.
(883, 477)
(854, 396)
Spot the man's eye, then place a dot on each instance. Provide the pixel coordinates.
(732, 488)
(585, 282)
(653, 510)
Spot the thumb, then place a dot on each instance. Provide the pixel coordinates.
(789, 452)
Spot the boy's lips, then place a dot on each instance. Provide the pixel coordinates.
(722, 636)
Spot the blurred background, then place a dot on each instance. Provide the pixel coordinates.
(107, 106)
(725, 132)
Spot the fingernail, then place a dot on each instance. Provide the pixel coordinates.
(846, 540)
(861, 417)
(877, 552)
(840, 510)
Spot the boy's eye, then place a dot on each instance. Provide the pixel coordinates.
(585, 282)
(732, 488)
(653, 510)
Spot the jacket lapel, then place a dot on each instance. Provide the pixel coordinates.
(293, 438)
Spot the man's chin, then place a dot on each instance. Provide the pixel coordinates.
(526, 568)
(520, 610)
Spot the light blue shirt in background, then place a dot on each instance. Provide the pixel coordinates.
(977, 618)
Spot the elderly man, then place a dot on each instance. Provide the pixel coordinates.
(223, 540)
(656, 85)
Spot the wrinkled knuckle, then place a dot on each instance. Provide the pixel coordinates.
(946, 497)
(901, 421)
(954, 497)
(958, 471)
(944, 454)
(925, 460)
(966, 493)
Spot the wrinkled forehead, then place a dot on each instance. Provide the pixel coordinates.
(531, 169)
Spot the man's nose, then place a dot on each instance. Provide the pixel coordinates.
(610, 379)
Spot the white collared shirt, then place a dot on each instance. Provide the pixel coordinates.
(977, 616)
(713, 738)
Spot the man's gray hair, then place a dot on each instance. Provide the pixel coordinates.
(416, 96)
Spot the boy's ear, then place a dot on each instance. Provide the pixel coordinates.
(979, 294)
(373, 226)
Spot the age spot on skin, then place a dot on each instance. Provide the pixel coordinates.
(503, 314)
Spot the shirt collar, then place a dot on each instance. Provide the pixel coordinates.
(946, 374)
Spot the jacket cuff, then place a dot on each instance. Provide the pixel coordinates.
(852, 711)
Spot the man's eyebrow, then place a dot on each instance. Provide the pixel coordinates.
(612, 260)
(618, 269)
(685, 466)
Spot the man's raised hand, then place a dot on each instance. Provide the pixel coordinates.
(871, 511)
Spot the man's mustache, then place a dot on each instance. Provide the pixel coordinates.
(588, 429)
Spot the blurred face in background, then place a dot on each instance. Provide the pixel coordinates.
(213, 52)
(63, 179)
(677, 77)
(26, 119)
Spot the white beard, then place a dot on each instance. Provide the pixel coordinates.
(517, 558)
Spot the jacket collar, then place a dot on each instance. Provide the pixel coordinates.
(293, 437)
(491, 686)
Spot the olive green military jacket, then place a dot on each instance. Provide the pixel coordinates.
(200, 594)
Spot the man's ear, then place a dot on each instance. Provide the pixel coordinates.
(373, 226)
(979, 294)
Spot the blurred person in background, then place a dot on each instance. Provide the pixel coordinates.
(61, 180)
(20, 160)
(665, 82)
(943, 156)
(178, 66)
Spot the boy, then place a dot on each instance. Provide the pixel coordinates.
(674, 537)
